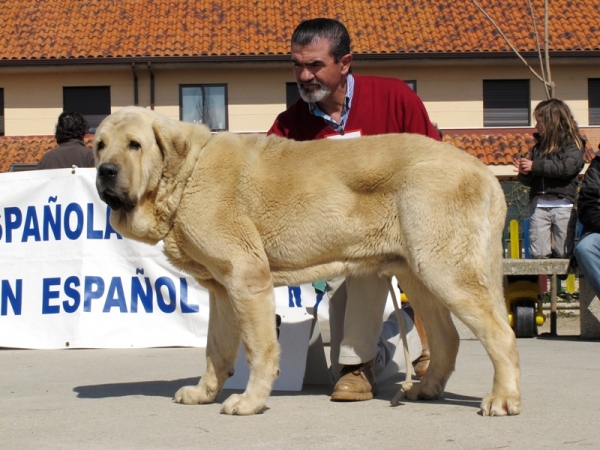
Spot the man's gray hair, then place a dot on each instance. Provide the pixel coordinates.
(312, 30)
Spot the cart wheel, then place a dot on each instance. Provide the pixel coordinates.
(524, 316)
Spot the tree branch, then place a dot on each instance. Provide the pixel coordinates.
(546, 50)
(510, 44)
(539, 48)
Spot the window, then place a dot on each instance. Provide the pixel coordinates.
(1, 111)
(291, 94)
(92, 102)
(22, 167)
(411, 84)
(204, 103)
(594, 101)
(506, 103)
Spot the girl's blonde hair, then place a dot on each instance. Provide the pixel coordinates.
(558, 124)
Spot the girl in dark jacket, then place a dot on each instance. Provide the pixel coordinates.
(550, 170)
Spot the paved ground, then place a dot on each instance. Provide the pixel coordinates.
(121, 399)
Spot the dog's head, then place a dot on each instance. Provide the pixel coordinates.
(135, 150)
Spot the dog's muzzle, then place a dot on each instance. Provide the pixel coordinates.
(106, 181)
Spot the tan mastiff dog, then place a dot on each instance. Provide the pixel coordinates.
(244, 213)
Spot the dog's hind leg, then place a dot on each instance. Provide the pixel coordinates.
(222, 346)
(480, 306)
(442, 335)
(490, 325)
(473, 292)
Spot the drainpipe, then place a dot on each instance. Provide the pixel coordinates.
(135, 85)
(151, 85)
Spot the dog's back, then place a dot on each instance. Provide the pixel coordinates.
(353, 204)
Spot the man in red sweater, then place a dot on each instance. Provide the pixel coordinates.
(336, 104)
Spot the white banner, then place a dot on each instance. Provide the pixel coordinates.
(67, 279)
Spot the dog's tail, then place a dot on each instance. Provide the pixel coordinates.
(496, 222)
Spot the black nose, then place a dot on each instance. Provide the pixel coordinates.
(107, 171)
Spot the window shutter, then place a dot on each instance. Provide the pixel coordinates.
(506, 103)
(1, 111)
(291, 94)
(594, 101)
(92, 102)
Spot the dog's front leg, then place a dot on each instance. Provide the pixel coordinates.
(222, 347)
(255, 308)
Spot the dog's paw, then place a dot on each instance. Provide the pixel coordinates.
(243, 405)
(425, 390)
(496, 405)
(193, 395)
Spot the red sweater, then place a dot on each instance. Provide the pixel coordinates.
(379, 106)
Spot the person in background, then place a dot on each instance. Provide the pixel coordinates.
(336, 104)
(71, 151)
(587, 251)
(550, 170)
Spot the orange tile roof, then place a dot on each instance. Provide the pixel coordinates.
(33, 30)
(494, 149)
(491, 149)
(27, 149)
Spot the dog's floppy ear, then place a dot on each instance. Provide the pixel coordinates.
(173, 144)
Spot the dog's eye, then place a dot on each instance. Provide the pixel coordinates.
(99, 146)
(134, 145)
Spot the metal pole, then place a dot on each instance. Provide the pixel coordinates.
(553, 308)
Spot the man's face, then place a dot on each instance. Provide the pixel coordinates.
(316, 72)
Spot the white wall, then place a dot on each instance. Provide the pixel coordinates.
(452, 92)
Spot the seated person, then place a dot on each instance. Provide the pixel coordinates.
(587, 251)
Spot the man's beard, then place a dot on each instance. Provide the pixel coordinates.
(313, 96)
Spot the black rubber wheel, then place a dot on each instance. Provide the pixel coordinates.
(524, 319)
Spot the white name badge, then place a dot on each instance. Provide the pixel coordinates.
(347, 135)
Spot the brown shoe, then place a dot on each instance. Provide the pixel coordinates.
(356, 383)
